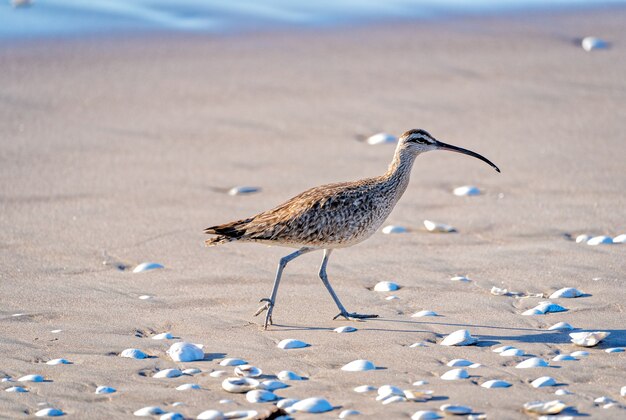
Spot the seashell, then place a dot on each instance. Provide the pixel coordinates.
(172, 415)
(312, 405)
(387, 391)
(31, 378)
(466, 190)
(566, 292)
(145, 297)
(546, 307)
(620, 239)
(460, 278)
(287, 375)
(149, 411)
(211, 415)
(458, 410)
(588, 339)
(191, 371)
(55, 362)
(579, 354)
(615, 350)
(622, 391)
(232, 362)
(496, 383)
(346, 329)
(187, 387)
(455, 374)
(512, 352)
(474, 365)
(390, 229)
(563, 358)
(498, 291)
(365, 388)
(218, 373)
(394, 399)
(381, 138)
(133, 354)
(226, 401)
(260, 396)
(248, 371)
(420, 383)
(49, 412)
(543, 381)
(425, 415)
(239, 385)
(241, 414)
(347, 413)
(6, 379)
(417, 345)
(459, 338)
(562, 392)
(603, 400)
(532, 311)
(163, 336)
(582, 238)
(285, 403)
(185, 352)
(423, 313)
(392, 297)
(590, 43)
(502, 348)
(459, 363)
(147, 266)
(55, 331)
(438, 227)
(168, 373)
(105, 390)
(290, 343)
(386, 286)
(533, 362)
(242, 189)
(16, 389)
(599, 240)
(561, 326)
(541, 407)
(271, 385)
(359, 366)
(418, 396)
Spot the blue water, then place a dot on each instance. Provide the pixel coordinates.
(47, 18)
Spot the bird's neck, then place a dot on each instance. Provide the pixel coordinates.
(399, 171)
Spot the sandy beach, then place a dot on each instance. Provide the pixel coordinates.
(117, 151)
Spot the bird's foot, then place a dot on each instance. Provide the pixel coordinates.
(354, 315)
(268, 306)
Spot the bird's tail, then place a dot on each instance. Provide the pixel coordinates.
(226, 233)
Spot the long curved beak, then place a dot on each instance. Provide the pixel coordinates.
(444, 146)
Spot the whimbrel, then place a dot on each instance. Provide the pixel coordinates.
(333, 216)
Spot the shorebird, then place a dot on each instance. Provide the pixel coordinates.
(332, 216)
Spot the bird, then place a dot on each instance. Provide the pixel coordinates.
(332, 216)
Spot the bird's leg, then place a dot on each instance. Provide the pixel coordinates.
(342, 309)
(269, 302)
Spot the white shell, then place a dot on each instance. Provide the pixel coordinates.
(622, 391)
(532, 311)
(172, 416)
(542, 407)
(561, 326)
(55, 362)
(425, 415)
(455, 409)
(285, 403)
(512, 352)
(562, 392)
(49, 412)
(191, 371)
(145, 297)
(496, 383)
(544, 308)
(392, 297)
(6, 379)
(590, 43)
(620, 239)
(599, 240)
(438, 227)
(242, 189)
(588, 339)
(211, 415)
(347, 413)
(461, 279)
(459, 338)
(582, 238)
(232, 362)
(615, 350)
(147, 266)
(424, 313)
(387, 391)
(418, 344)
(287, 375)
(579, 354)
(420, 383)
(218, 373)
(563, 358)
(502, 348)
(346, 329)
(466, 190)
(148, 411)
(105, 390)
(533, 362)
(16, 389)
(185, 352)
(604, 400)
(31, 378)
(163, 336)
(226, 401)
(271, 385)
(390, 229)
(394, 399)
(239, 385)
(381, 138)
(290, 343)
(455, 374)
(168, 373)
(248, 371)
(543, 381)
(359, 366)
(241, 414)
(459, 363)
(566, 292)
(497, 291)
(187, 387)
(386, 286)
(133, 354)
(365, 388)
(260, 396)
(312, 405)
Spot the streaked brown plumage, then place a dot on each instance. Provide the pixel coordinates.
(334, 215)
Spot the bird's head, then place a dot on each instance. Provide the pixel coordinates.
(419, 141)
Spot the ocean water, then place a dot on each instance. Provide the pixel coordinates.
(51, 18)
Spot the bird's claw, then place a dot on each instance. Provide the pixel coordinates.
(354, 315)
(268, 306)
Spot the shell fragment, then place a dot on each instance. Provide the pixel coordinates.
(588, 339)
